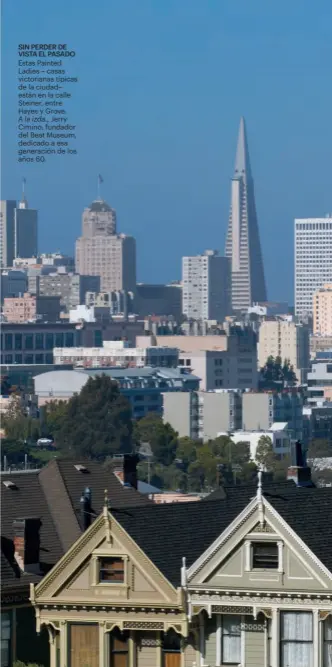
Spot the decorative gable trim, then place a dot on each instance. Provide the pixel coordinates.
(300, 542)
(208, 554)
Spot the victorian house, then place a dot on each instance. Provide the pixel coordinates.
(242, 578)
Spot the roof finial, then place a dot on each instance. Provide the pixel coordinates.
(259, 497)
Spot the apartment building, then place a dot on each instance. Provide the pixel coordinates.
(29, 308)
(70, 287)
(202, 414)
(320, 382)
(206, 291)
(322, 311)
(285, 339)
(261, 410)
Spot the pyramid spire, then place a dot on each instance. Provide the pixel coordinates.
(242, 161)
(243, 243)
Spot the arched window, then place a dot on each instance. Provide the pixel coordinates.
(119, 648)
(171, 649)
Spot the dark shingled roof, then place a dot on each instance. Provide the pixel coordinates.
(188, 529)
(53, 495)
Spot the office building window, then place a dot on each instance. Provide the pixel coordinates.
(69, 339)
(18, 358)
(49, 341)
(18, 341)
(8, 342)
(28, 342)
(59, 339)
(39, 342)
(39, 359)
(296, 645)
(28, 359)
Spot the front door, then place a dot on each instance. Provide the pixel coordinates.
(171, 648)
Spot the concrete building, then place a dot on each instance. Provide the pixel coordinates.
(261, 410)
(317, 422)
(29, 308)
(7, 216)
(25, 230)
(313, 261)
(322, 311)
(278, 434)
(206, 287)
(320, 382)
(116, 303)
(100, 251)
(269, 308)
(70, 287)
(142, 386)
(243, 244)
(228, 361)
(118, 353)
(202, 414)
(34, 343)
(13, 283)
(158, 300)
(285, 339)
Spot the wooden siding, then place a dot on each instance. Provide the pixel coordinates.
(210, 641)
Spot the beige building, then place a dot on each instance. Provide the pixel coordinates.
(228, 361)
(29, 308)
(202, 414)
(285, 339)
(100, 251)
(322, 311)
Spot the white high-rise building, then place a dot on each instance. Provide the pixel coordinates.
(313, 260)
(206, 287)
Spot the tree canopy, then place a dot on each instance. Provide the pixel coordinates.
(277, 374)
(94, 423)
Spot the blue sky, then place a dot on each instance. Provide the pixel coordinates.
(163, 84)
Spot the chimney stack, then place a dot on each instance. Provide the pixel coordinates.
(298, 471)
(27, 544)
(125, 469)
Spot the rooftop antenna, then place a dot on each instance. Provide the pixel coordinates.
(23, 202)
(100, 181)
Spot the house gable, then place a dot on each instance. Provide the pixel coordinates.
(228, 562)
(76, 577)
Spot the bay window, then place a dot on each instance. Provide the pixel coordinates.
(296, 639)
(231, 640)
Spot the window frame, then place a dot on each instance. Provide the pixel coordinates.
(97, 557)
(264, 543)
(117, 559)
(283, 641)
(220, 635)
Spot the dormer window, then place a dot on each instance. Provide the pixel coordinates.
(112, 570)
(265, 556)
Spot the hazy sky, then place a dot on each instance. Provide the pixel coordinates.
(163, 84)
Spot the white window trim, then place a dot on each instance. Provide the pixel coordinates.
(219, 638)
(269, 537)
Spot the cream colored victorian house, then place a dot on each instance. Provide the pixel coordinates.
(243, 578)
(106, 603)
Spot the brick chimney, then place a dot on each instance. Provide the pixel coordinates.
(27, 544)
(298, 471)
(125, 469)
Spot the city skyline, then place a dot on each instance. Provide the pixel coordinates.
(165, 98)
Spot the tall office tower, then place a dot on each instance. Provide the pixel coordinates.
(25, 229)
(243, 244)
(102, 252)
(313, 260)
(206, 286)
(7, 213)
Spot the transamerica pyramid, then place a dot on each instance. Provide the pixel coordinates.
(242, 244)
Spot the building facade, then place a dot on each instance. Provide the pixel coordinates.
(202, 415)
(243, 246)
(252, 589)
(158, 300)
(288, 340)
(13, 283)
(322, 311)
(313, 261)
(30, 308)
(206, 287)
(118, 353)
(70, 287)
(7, 217)
(320, 382)
(100, 251)
(261, 410)
(25, 230)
